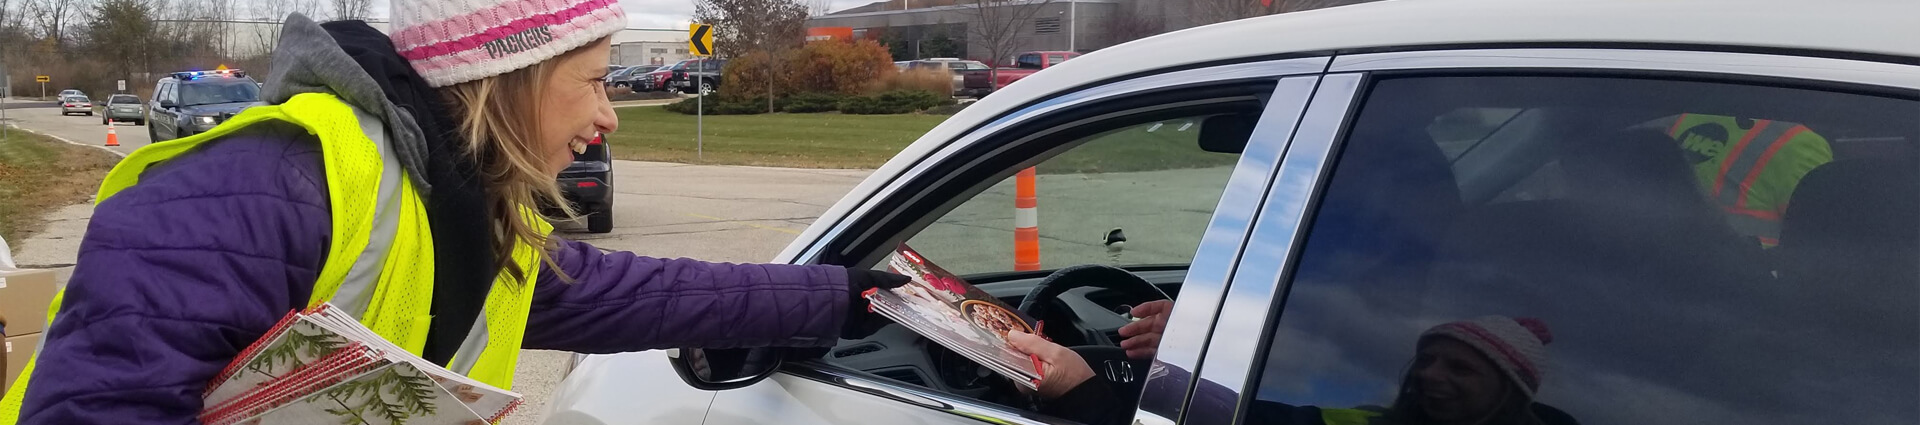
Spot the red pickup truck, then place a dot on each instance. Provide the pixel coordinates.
(981, 82)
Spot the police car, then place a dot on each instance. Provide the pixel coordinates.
(190, 102)
(1715, 206)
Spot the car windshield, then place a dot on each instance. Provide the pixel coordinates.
(207, 93)
(124, 99)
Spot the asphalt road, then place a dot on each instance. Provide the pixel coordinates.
(81, 129)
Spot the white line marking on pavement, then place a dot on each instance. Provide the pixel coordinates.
(63, 139)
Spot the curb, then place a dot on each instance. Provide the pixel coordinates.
(70, 142)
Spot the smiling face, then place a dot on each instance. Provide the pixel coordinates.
(573, 105)
(1455, 384)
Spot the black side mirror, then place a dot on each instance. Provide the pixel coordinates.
(167, 104)
(718, 370)
(1227, 133)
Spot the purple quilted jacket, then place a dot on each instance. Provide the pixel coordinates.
(179, 273)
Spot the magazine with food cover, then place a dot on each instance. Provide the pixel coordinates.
(959, 316)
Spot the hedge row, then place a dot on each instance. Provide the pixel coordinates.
(892, 102)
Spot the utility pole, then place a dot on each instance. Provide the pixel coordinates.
(1073, 24)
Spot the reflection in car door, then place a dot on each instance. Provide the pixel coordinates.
(817, 393)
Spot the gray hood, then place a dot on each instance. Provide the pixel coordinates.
(308, 60)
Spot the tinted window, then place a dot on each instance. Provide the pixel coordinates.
(1031, 61)
(121, 98)
(211, 92)
(1694, 253)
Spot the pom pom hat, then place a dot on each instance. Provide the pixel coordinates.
(1517, 346)
(455, 41)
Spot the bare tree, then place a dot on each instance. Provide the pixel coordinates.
(52, 17)
(769, 26)
(997, 24)
(351, 9)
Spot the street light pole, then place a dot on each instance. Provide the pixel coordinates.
(1073, 24)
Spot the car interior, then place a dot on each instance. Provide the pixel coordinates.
(1082, 307)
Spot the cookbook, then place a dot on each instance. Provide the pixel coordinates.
(947, 310)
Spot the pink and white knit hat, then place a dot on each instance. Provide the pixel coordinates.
(1517, 346)
(455, 41)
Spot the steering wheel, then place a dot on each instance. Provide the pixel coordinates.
(1044, 304)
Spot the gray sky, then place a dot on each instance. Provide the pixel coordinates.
(655, 13)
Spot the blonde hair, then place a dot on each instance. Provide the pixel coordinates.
(499, 119)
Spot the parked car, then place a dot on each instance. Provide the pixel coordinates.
(982, 83)
(957, 67)
(627, 77)
(76, 104)
(123, 107)
(1377, 172)
(585, 183)
(70, 92)
(189, 102)
(659, 78)
(699, 76)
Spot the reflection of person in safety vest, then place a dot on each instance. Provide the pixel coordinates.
(1749, 167)
(393, 177)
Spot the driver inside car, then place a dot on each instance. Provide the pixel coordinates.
(1480, 371)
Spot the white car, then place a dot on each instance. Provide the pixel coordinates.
(1714, 205)
(75, 104)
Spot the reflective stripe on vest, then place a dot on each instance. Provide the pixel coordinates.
(1750, 172)
(380, 262)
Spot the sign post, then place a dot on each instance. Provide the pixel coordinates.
(123, 85)
(700, 42)
(42, 79)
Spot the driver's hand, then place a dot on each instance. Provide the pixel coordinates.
(1143, 336)
(1061, 369)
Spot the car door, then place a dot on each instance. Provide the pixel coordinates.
(1176, 160)
(165, 122)
(1562, 236)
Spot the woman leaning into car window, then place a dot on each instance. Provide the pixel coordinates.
(395, 178)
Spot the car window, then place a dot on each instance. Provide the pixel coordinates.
(211, 92)
(1151, 181)
(1056, 58)
(164, 92)
(1601, 251)
(125, 99)
(1029, 61)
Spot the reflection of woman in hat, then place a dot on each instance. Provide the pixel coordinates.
(1479, 371)
(1483, 371)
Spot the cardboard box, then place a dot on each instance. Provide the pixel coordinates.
(24, 297)
(19, 350)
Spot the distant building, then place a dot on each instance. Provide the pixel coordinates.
(917, 29)
(638, 46)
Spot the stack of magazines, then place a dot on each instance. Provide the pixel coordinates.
(959, 316)
(322, 367)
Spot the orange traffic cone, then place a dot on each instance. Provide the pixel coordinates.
(112, 139)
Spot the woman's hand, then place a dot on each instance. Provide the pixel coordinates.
(1143, 336)
(1061, 369)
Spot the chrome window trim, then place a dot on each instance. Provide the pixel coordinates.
(1751, 64)
(1211, 75)
(909, 394)
(1259, 276)
(1165, 394)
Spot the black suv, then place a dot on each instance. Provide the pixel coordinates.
(192, 102)
(584, 183)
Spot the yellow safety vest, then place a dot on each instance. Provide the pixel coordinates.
(380, 264)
